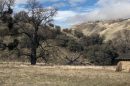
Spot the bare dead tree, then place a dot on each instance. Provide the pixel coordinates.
(74, 58)
(2, 4)
(39, 18)
(6, 10)
(6, 4)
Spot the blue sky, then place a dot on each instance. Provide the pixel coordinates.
(71, 12)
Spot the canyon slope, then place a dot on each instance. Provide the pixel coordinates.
(109, 29)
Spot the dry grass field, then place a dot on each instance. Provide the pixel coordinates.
(23, 74)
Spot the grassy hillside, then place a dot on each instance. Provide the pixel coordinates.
(93, 43)
(110, 29)
(54, 53)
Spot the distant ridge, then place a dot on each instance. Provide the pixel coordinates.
(110, 29)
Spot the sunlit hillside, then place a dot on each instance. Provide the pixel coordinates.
(110, 29)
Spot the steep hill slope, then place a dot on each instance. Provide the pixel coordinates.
(54, 53)
(110, 29)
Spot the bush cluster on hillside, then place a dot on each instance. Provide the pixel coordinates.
(101, 55)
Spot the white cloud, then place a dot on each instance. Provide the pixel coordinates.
(59, 4)
(107, 2)
(76, 2)
(110, 9)
(63, 15)
(20, 1)
(62, 18)
(106, 10)
(24, 1)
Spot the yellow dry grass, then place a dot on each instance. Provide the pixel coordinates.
(23, 74)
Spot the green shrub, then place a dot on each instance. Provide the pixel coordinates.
(78, 34)
(62, 40)
(101, 54)
(57, 30)
(74, 46)
(91, 40)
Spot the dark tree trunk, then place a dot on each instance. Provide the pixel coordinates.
(33, 56)
(34, 49)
